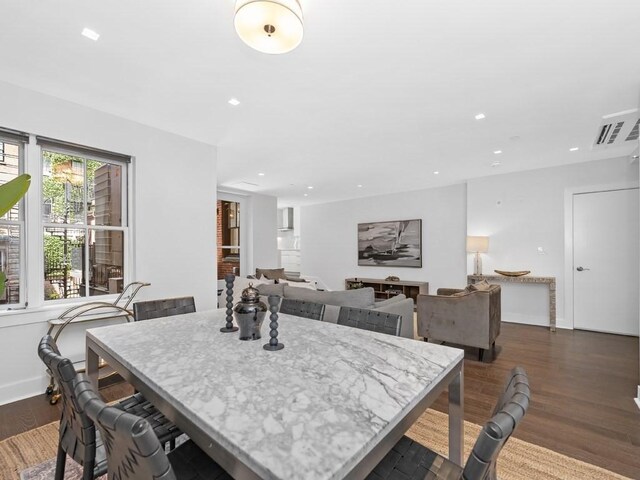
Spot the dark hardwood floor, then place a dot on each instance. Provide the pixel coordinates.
(583, 384)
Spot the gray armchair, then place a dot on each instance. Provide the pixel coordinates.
(465, 317)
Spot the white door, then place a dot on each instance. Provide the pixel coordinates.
(605, 261)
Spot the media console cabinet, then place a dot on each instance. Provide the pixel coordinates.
(384, 289)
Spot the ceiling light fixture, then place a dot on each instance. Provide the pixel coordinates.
(310, 187)
(436, 172)
(480, 116)
(269, 26)
(306, 194)
(261, 174)
(574, 149)
(234, 101)
(359, 186)
(87, 32)
(497, 152)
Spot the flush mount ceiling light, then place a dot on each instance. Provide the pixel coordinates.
(269, 26)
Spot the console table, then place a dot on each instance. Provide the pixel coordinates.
(551, 281)
(384, 289)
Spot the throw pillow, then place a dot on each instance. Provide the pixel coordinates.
(308, 285)
(239, 284)
(481, 286)
(271, 273)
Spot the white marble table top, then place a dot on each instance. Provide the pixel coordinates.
(310, 411)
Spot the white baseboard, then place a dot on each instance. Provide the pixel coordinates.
(23, 389)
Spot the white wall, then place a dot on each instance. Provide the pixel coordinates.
(263, 232)
(519, 212)
(174, 208)
(523, 211)
(329, 246)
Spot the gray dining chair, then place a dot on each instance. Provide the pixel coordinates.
(164, 307)
(301, 308)
(409, 460)
(373, 320)
(132, 449)
(78, 438)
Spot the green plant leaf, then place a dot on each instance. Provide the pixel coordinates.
(3, 280)
(11, 192)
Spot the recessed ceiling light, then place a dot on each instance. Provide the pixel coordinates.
(306, 194)
(497, 152)
(436, 172)
(497, 163)
(574, 149)
(261, 174)
(310, 187)
(87, 32)
(480, 116)
(359, 186)
(234, 101)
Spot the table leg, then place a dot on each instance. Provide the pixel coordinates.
(91, 366)
(456, 418)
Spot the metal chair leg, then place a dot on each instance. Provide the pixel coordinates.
(61, 459)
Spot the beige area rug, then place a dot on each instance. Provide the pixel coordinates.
(519, 460)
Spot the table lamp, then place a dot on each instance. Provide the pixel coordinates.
(477, 245)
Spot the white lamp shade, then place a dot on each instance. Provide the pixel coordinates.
(269, 26)
(477, 244)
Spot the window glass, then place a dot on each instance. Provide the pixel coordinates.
(228, 238)
(63, 188)
(63, 263)
(10, 249)
(82, 202)
(11, 227)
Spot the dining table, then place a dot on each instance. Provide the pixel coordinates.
(329, 405)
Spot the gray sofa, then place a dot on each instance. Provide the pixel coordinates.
(466, 317)
(359, 298)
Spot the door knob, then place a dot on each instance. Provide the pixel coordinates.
(580, 269)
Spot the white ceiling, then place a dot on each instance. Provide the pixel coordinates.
(380, 93)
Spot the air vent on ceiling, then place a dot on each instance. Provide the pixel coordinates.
(617, 129)
(634, 132)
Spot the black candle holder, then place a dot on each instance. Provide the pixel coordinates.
(228, 280)
(273, 344)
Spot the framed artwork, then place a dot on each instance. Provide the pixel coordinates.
(390, 244)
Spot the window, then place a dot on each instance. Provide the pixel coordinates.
(68, 239)
(84, 226)
(228, 240)
(11, 225)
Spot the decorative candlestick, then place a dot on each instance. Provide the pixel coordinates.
(228, 280)
(273, 341)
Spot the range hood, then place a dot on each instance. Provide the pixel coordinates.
(285, 218)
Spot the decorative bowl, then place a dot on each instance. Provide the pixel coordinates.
(518, 273)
